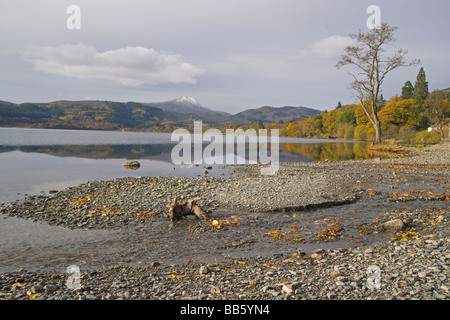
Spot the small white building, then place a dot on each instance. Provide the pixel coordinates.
(433, 127)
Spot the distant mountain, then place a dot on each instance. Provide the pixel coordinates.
(446, 92)
(93, 114)
(188, 105)
(7, 102)
(184, 105)
(269, 114)
(87, 114)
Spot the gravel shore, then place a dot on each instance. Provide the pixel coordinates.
(413, 269)
(124, 201)
(411, 264)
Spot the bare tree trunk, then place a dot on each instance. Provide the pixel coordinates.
(190, 207)
(372, 68)
(377, 132)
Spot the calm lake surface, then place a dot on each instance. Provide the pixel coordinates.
(35, 161)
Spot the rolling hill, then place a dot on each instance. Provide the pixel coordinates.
(110, 115)
(269, 114)
(7, 102)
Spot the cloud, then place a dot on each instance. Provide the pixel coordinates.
(328, 48)
(131, 66)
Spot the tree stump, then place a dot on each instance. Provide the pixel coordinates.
(190, 207)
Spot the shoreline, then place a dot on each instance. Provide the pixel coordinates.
(419, 182)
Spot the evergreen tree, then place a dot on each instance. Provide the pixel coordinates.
(339, 105)
(381, 102)
(421, 88)
(407, 90)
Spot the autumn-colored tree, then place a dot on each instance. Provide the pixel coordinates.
(360, 132)
(341, 130)
(310, 127)
(292, 130)
(349, 133)
(398, 112)
(344, 114)
(361, 116)
(437, 108)
(372, 68)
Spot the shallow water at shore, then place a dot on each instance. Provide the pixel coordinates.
(41, 246)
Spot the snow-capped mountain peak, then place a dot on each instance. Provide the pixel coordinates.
(184, 105)
(186, 100)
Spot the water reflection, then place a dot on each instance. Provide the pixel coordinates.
(330, 151)
(289, 152)
(36, 169)
(120, 151)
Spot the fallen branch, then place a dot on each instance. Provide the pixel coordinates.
(190, 207)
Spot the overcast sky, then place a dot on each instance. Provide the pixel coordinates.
(229, 55)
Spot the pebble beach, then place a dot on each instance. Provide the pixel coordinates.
(404, 201)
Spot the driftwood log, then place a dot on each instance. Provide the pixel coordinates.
(190, 207)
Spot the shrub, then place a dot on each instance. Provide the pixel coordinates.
(406, 134)
(349, 133)
(389, 131)
(371, 134)
(361, 132)
(341, 130)
(425, 137)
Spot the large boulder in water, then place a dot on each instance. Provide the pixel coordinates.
(133, 165)
(394, 225)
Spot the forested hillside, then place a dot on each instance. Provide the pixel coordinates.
(99, 115)
(110, 115)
